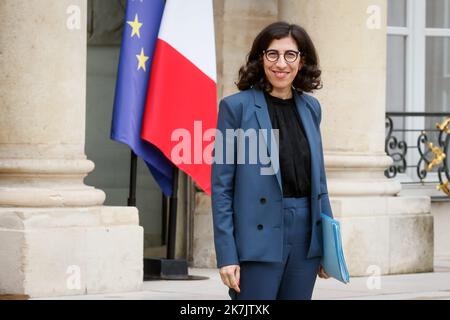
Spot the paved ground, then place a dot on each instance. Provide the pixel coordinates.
(424, 286)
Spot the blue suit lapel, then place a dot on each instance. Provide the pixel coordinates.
(262, 114)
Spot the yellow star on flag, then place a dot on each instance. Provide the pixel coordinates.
(136, 25)
(142, 58)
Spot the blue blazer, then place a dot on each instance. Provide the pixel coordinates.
(247, 206)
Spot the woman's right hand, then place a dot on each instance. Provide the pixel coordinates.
(230, 276)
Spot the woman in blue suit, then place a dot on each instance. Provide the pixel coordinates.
(266, 213)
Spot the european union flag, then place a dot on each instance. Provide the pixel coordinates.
(142, 22)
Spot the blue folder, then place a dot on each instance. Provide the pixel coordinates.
(333, 256)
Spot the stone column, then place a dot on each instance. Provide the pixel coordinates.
(379, 227)
(57, 238)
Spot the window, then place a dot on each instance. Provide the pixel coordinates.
(418, 59)
(437, 92)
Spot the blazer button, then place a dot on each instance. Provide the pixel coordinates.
(262, 200)
(260, 226)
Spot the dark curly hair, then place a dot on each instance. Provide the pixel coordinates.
(252, 73)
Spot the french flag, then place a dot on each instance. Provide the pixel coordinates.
(180, 114)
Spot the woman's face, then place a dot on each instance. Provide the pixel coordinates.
(281, 73)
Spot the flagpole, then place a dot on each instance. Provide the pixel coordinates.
(132, 189)
(170, 268)
(163, 220)
(171, 243)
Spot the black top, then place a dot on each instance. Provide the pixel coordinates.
(294, 152)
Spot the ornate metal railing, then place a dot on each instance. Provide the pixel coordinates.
(433, 145)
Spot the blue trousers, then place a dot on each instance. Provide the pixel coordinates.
(295, 276)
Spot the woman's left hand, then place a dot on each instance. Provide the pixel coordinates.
(322, 274)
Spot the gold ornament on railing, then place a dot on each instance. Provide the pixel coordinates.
(444, 187)
(439, 156)
(444, 126)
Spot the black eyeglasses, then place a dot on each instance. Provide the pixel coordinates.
(290, 56)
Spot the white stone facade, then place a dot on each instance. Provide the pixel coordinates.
(57, 238)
